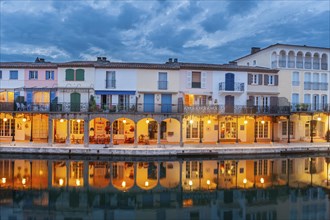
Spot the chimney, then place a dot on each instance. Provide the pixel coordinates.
(42, 60)
(99, 58)
(255, 50)
(37, 60)
(104, 59)
(170, 60)
(175, 60)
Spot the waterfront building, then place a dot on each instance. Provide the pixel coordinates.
(304, 80)
(109, 103)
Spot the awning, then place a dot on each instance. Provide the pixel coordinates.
(114, 92)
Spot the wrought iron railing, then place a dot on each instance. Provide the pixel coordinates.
(236, 87)
(304, 107)
(110, 84)
(324, 66)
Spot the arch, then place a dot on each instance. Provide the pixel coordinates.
(99, 174)
(316, 61)
(169, 174)
(291, 59)
(123, 175)
(324, 62)
(308, 60)
(300, 60)
(282, 59)
(170, 130)
(147, 129)
(123, 131)
(147, 175)
(274, 59)
(99, 130)
(77, 127)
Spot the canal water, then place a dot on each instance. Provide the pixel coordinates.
(74, 188)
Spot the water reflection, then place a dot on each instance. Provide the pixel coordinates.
(281, 188)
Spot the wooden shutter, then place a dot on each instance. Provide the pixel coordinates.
(250, 79)
(266, 80)
(80, 75)
(189, 80)
(69, 74)
(276, 80)
(203, 84)
(260, 79)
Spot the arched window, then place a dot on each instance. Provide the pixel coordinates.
(274, 60)
(324, 62)
(316, 61)
(308, 60)
(299, 62)
(282, 62)
(291, 60)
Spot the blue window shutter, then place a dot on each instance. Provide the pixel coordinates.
(52, 75)
(29, 95)
(16, 94)
(52, 96)
(36, 76)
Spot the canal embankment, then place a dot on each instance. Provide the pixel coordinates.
(208, 150)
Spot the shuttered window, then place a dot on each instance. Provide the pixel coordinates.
(69, 74)
(80, 75)
(196, 80)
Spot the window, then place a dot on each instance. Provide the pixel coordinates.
(285, 128)
(6, 127)
(255, 79)
(162, 80)
(295, 78)
(0, 74)
(196, 80)
(262, 129)
(295, 99)
(283, 167)
(254, 62)
(111, 80)
(49, 75)
(228, 130)
(13, 74)
(270, 80)
(77, 127)
(192, 130)
(33, 74)
(72, 75)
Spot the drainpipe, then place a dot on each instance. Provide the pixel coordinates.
(311, 128)
(289, 129)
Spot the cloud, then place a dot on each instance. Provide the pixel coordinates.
(153, 31)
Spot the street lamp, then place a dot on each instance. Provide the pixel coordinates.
(244, 181)
(262, 181)
(190, 184)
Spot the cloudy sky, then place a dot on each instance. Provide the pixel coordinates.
(153, 31)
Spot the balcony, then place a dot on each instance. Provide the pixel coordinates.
(201, 109)
(308, 65)
(226, 87)
(307, 85)
(110, 84)
(324, 66)
(299, 64)
(162, 85)
(291, 64)
(315, 86)
(316, 66)
(196, 85)
(304, 107)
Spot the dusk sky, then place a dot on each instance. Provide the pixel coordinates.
(153, 31)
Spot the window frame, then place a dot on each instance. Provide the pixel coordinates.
(33, 74)
(51, 75)
(11, 72)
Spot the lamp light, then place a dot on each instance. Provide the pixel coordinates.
(123, 184)
(124, 121)
(5, 119)
(61, 120)
(3, 180)
(61, 182)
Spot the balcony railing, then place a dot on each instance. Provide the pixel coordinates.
(237, 109)
(315, 86)
(141, 108)
(295, 83)
(304, 107)
(282, 63)
(110, 84)
(316, 66)
(291, 64)
(274, 64)
(308, 65)
(162, 85)
(299, 64)
(238, 87)
(324, 66)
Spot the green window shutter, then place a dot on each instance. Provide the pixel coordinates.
(80, 75)
(69, 74)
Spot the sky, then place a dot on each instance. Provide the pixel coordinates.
(153, 31)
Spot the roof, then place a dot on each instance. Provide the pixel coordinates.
(286, 45)
(127, 65)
